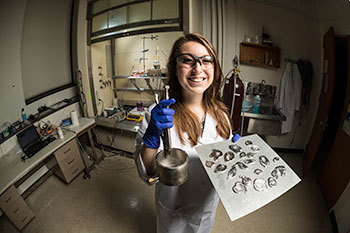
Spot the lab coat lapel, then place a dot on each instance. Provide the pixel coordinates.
(209, 135)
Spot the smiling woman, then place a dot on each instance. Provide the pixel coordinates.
(196, 116)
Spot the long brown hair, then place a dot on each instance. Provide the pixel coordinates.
(185, 120)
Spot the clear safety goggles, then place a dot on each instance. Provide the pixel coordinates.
(189, 60)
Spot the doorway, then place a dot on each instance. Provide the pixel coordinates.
(331, 101)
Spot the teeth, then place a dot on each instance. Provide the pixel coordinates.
(197, 79)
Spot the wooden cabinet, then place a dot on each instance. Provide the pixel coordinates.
(259, 55)
(8, 197)
(23, 218)
(15, 207)
(69, 161)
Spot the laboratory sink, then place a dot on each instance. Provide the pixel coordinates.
(267, 122)
(268, 112)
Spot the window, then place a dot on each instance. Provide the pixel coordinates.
(109, 19)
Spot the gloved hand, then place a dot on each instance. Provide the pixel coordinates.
(236, 137)
(161, 118)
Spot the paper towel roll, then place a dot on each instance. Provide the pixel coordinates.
(74, 117)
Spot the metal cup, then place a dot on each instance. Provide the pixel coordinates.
(172, 167)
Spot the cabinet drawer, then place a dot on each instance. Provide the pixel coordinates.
(16, 209)
(70, 160)
(8, 198)
(66, 150)
(23, 218)
(71, 172)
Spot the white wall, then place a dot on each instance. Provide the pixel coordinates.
(82, 53)
(336, 14)
(11, 89)
(99, 74)
(11, 93)
(299, 37)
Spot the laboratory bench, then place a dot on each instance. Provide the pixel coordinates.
(118, 134)
(61, 157)
(126, 125)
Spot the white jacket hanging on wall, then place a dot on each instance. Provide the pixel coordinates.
(289, 96)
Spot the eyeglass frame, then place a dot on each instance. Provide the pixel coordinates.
(196, 59)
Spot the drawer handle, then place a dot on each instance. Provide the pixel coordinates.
(67, 150)
(24, 219)
(16, 210)
(9, 199)
(71, 161)
(75, 171)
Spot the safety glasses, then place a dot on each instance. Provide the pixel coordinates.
(189, 60)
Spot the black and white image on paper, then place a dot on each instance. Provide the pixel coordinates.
(247, 174)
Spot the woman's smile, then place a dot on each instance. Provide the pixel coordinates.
(196, 80)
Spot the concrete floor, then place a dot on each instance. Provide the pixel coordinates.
(116, 200)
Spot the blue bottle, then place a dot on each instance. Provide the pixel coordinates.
(24, 115)
(256, 106)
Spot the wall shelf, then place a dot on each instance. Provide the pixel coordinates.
(259, 55)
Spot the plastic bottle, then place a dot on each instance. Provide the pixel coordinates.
(139, 106)
(115, 102)
(256, 106)
(24, 115)
(60, 133)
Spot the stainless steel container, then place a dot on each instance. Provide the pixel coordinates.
(172, 163)
(172, 168)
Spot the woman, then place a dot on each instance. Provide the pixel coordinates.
(198, 117)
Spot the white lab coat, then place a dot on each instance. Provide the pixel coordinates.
(289, 96)
(190, 207)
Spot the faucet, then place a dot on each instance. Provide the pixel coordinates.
(249, 89)
(262, 90)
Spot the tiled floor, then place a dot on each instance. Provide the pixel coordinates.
(116, 200)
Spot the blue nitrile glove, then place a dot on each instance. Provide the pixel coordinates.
(161, 118)
(236, 137)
